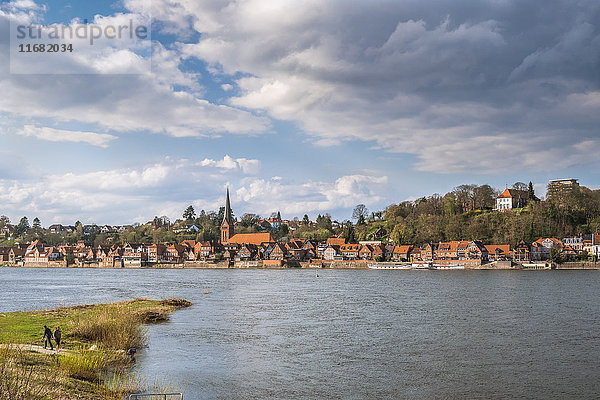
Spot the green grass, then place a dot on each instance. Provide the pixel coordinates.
(87, 324)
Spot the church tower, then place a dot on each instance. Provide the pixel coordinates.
(227, 224)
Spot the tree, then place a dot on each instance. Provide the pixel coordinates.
(531, 193)
(519, 186)
(464, 197)
(283, 229)
(360, 212)
(583, 256)
(221, 216)
(305, 220)
(449, 204)
(249, 220)
(4, 221)
(349, 233)
(556, 255)
(189, 214)
(484, 196)
(36, 223)
(22, 227)
(324, 222)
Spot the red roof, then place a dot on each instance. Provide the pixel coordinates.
(251, 238)
(336, 241)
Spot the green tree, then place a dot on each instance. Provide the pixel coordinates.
(4, 221)
(583, 256)
(556, 255)
(22, 227)
(189, 214)
(305, 220)
(349, 233)
(531, 193)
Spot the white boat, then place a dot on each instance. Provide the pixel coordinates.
(440, 266)
(388, 266)
(421, 265)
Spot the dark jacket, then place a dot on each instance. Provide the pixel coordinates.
(48, 333)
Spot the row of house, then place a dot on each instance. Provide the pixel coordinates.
(261, 246)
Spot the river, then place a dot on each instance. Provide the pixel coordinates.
(350, 334)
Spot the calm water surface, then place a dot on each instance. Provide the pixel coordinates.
(351, 334)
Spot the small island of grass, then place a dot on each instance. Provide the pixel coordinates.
(92, 362)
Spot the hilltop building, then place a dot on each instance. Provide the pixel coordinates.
(557, 186)
(513, 198)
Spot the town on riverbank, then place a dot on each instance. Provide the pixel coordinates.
(488, 229)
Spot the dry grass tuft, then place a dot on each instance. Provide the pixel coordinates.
(112, 327)
(19, 378)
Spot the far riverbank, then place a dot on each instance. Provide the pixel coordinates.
(315, 264)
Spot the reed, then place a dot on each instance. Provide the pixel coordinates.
(21, 379)
(111, 327)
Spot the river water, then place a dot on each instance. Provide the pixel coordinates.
(350, 334)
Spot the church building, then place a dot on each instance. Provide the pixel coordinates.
(227, 224)
(228, 236)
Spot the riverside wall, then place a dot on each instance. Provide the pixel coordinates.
(312, 264)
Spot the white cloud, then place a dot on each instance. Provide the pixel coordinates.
(167, 187)
(59, 135)
(243, 164)
(411, 78)
(166, 101)
(265, 196)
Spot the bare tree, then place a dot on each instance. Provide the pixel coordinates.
(519, 186)
(360, 211)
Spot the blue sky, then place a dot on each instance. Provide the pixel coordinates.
(299, 108)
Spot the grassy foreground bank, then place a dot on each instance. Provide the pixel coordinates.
(92, 363)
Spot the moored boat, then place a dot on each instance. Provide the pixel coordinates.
(388, 266)
(421, 265)
(441, 266)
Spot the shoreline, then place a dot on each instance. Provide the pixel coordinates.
(349, 265)
(93, 362)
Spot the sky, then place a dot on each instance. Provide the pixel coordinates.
(304, 107)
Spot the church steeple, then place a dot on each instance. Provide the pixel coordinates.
(228, 214)
(227, 224)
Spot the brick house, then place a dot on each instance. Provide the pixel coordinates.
(156, 252)
(401, 253)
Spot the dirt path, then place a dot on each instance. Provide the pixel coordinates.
(39, 349)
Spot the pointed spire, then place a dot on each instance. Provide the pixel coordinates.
(228, 215)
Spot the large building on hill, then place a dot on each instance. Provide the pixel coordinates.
(513, 198)
(557, 186)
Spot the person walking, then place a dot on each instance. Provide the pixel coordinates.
(47, 337)
(57, 336)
